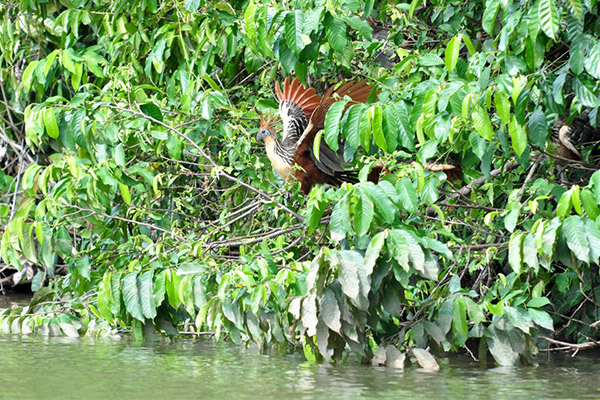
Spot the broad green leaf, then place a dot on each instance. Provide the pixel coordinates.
(518, 136)
(541, 318)
(152, 110)
(515, 252)
(50, 123)
(363, 213)
(293, 31)
(549, 18)
(376, 119)
(352, 124)
(146, 294)
(27, 76)
(335, 30)
(407, 195)
(459, 316)
(373, 251)
(83, 267)
(489, 16)
(574, 233)
(481, 122)
(129, 290)
(384, 206)
(452, 52)
(332, 124)
(590, 205)
(249, 20)
(192, 5)
(360, 25)
(352, 278)
(339, 223)
(538, 128)
(330, 311)
(593, 236)
(564, 205)
(538, 302)
(125, 193)
(312, 20)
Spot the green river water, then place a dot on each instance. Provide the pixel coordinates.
(34, 367)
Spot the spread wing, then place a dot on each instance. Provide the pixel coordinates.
(296, 105)
(329, 162)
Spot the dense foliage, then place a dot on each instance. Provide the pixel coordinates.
(136, 197)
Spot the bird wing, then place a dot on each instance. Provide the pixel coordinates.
(296, 105)
(329, 161)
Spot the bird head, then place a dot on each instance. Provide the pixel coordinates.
(266, 128)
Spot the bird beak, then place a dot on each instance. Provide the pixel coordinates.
(258, 137)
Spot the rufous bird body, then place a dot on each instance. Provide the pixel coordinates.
(303, 112)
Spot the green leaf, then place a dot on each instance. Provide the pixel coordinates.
(330, 310)
(549, 18)
(481, 122)
(312, 20)
(373, 251)
(452, 52)
(131, 298)
(459, 316)
(125, 193)
(502, 104)
(348, 276)
(592, 64)
(390, 128)
(515, 253)
(249, 20)
(192, 5)
(376, 120)
(332, 124)
(339, 223)
(146, 294)
(489, 16)
(27, 76)
(317, 144)
(564, 205)
(360, 25)
(538, 128)
(541, 318)
(50, 123)
(383, 204)
(351, 127)
(363, 213)
(538, 302)
(293, 31)
(518, 136)
(574, 232)
(335, 30)
(590, 205)
(407, 195)
(83, 267)
(593, 235)
(152, 111)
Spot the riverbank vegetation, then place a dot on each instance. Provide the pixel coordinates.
(135, 197)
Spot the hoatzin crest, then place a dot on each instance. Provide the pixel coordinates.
(303, 113)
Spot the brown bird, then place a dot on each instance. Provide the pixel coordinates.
(579, 133)
(303, 112)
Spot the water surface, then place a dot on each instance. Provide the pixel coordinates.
(34, 367)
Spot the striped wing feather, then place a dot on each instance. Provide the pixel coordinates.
(329, 167)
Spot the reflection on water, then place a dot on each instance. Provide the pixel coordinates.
(62, 368)
(10, 299)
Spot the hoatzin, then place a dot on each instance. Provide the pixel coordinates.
(303, 112)
(580, 132)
